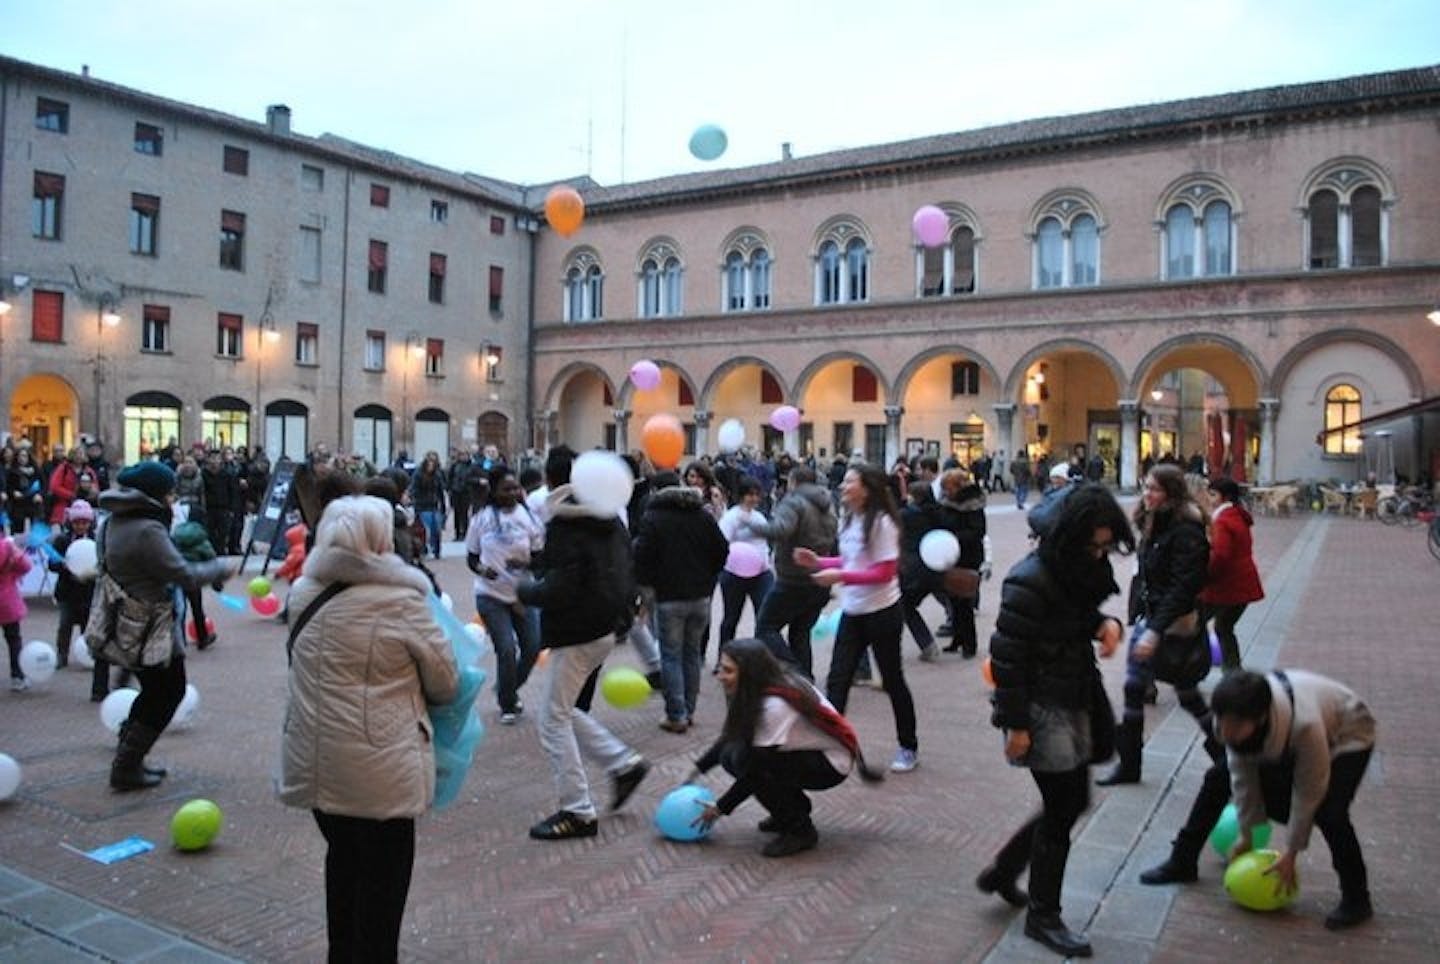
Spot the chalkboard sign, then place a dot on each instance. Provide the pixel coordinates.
(277, 512)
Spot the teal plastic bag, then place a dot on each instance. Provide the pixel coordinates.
(458, 730)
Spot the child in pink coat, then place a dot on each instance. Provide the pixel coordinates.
(14, 564)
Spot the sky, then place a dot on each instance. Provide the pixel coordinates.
(548, 89)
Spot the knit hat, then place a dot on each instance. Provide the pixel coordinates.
(79, 509)
(155, 479)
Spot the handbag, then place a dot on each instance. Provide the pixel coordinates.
(129, 632)
(1182, 657)
(1102, 721)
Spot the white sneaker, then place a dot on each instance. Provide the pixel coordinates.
(19, 684)
(905, 761)
(509, 719)
(930, 654)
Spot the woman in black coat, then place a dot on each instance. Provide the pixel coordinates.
(1048, 690)
(962, 512)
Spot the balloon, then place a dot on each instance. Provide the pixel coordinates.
(731, 435)
(624, 688)
(786, 418)
(645, 375)
(939, 549)
(1227, 831)
(663, 439)
(477, 632)
(1217, 656)
(230, 602)
(675, 817)
(264, 605)
(602, 481)
(193, 636)
(115, 709)
(708, 142)
(930, 225)
(80, 559)
(564, 209)
(37, 660)
(744, 560)
(447, 601)
(80, 653)
(37, 535)
(196, 824)
(987, 672)
(1249, 886)
(189, 703)
(259, 586)
(10, 776)
(827, 626)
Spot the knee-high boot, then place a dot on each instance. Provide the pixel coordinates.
(1128, 738)
(128, 771)
(1043, 923)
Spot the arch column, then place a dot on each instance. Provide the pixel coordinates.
(893, 413)
(547, 431)
(1005, 433)
(1129, 444)
(1269, 412)
(702, 432)
(622, 429)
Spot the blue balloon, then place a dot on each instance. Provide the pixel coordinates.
(231, 602)
(37, 535)
(708, 142)
(678, 811)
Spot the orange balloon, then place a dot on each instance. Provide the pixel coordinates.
(988, 672)
(564, 209)
(663, 439)
(541, 658)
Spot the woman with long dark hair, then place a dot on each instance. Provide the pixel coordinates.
(427, 495)
(781, 738)
(1048, 690)
(1174, 554)
(1233, 582)
(700, 476)
(871, 615)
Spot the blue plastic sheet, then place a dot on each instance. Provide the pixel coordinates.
(458, 730)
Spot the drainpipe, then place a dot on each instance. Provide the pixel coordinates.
(532, 229)
(344, 304)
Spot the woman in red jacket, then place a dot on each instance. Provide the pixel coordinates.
(1232, 582)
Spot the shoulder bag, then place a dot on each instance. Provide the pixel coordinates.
(129, 632)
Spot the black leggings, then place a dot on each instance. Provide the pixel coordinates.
(161, 690)
(778, 779)
(12, 641)
(367, 880)
(1043, 841)
(880, 632)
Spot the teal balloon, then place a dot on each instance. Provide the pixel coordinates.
(1249, 886)
(1227, 831)
(708, 142)
(827, 626)
(677, 813)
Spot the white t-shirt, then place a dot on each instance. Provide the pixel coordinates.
(781, 725)
(536, 503)
(857, 600)
(731, 526)
(499, 539)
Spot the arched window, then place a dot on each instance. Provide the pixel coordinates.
(747, 272)
(829, 268)
(1324, 230)
(649, 289)
(1050, 254)
(842, 263)
(674, 303)
(1346, 207)
(760, 279)
(1217, 238)
(1365, 227)
(1180, 242)
(584, 285)
(735, 294)
(1065, 241)
(1196, 226)
(1342, 407)
(661, 278)
(1085, 251)
(948, 269)
(857, 271)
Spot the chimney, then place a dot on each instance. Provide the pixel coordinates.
(277, 118)
(85, 71)
(785, 154)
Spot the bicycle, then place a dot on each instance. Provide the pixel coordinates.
(1404, 508)
(1435, 538)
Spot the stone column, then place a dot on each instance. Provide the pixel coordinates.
(1265, 471)
(546, 429)
(622, 429)
(1005, 436)
(1129, 444)
(893, 442)
(702, 432)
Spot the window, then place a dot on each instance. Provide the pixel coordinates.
(661, 280)
(584, 287)
(948, 268)
(829, 271)
(1347, 216)
(746, 278)
(1324, 230)
(1195, 229)
(435, 356)
(857, 271)
(437, 278)
(52, 115)
(1049, 254)
(47, 206)
(1065, 249)
(1342, 407)
(230, 336)
(375, 351)
(497, 287)
(439, 212)
(964, 378)
(144, 224)
(491, 360)
(497, 225)
(232, 240)
(309, 254)
(1365, 227)
(149, 139)
(47, 316)
(236, 161)
(155, 329)
(770, 393)
(379, 196)
(735, 277)
(842, 265)
(307, 343)
(1180, 242)
(1216, 230)
(378, 262)
(312, 178)
(1085, 251)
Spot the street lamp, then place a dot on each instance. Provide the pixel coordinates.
(414, 347)
(266, 334)
(1434, 315)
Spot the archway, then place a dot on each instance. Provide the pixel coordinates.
(371, 434)
(1067, 397)
(287, 430)
(581, 410)
(225, 420)
(1199, 406)
(949, 395)
(44, 409)
(843, 398)
(746, 389)
(152, 424)
(432, 434)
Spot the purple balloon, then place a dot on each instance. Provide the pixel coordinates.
(786, 418)
(645, 375)
(1216, 656)
(930, 225)
(745, 560)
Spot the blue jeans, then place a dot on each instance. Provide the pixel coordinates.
(683, 624)
(517, 643)
(431, 519)
(1022, 489)
(734, 590)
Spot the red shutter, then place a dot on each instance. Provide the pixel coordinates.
(157, 313)
(863, 386)
(49, 185)
(237, 160)
(145, 204)
(379, 255)
(307, 329)
(232, 221)
(497, 281)
(687, 397)
(435, 347)
(609, 398)
(47, 321)
(437, 265)
(769, 389)
(497, 224)
(379, 196)
(231, 322)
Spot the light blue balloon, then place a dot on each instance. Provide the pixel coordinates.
(677, 813)
(708, 142)
(827, 626)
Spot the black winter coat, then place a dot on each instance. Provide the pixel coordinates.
(1174, 561)
(588, 588)
(679, 549)
(965, 517)
(915, 522)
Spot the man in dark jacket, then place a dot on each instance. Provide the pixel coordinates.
(222, 498)
(458, 473)
(585, 595)
(803, 520)
(679, 552)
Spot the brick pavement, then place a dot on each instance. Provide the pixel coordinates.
(891, 881)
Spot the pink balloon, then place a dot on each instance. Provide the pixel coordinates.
(745, 560)
(645, 375)
(267, 605)
(930, 225)
(786, 418)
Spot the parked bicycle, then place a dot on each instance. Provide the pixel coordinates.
(1404, 507)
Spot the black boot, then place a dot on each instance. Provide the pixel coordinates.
(128, 771)
(1176, 869)
(154, 771)
(1043, 923)
(1127, 746)
(1350, 911)
(1051, 931)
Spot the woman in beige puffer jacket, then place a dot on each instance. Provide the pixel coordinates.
(357, 740)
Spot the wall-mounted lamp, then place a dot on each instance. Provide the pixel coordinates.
(489, 355)
(268, 332)
(109, 317)
(1434, 315)
(1156, 394)
(16, 283)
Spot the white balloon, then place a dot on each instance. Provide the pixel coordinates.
(602, 481)
(80, 559)
(115, 709)
(477, 632)
(731, 435)
(189, 703)
(10, 776)
(37, 660)
(940, 550)
(447, 602)
(80, 653)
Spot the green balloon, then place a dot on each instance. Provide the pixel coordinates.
(624, 688)
(1249, 886)
(259, 586)
(195, 825)
(1227, 831)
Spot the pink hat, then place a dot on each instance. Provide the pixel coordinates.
(79, 509)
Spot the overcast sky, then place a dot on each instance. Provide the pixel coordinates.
(544, 89)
